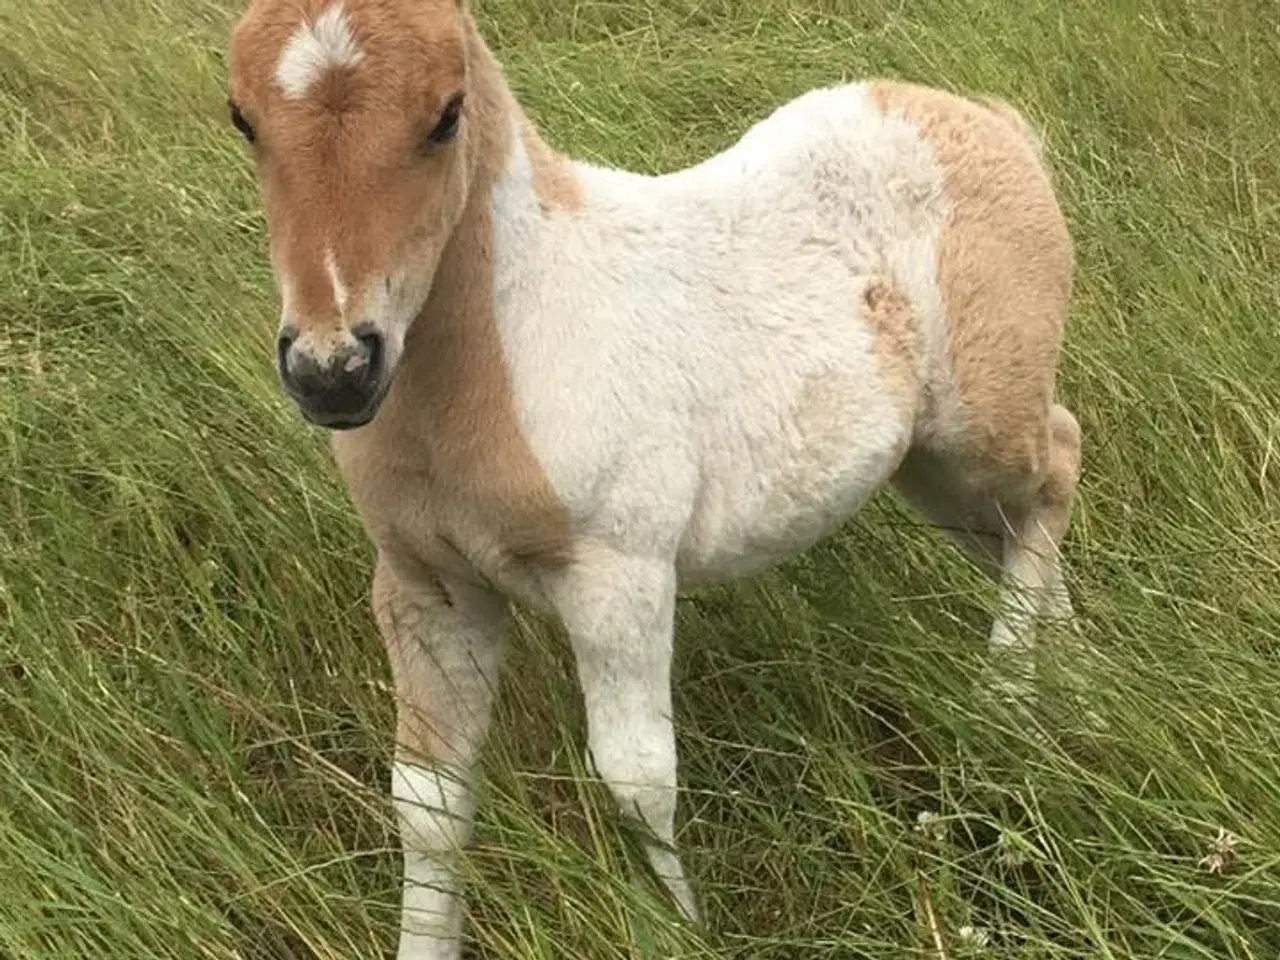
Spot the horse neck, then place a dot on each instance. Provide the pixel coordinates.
(453, 354)
(498, 121)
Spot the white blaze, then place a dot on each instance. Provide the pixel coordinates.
(335, 278)
(315, 47)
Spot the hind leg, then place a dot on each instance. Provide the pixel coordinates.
(1010, 522)
(1032, 585)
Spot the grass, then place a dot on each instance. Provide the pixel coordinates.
(195, 723)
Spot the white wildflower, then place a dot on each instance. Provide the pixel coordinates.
(973, 938)
(931, 824)
(1221, 857)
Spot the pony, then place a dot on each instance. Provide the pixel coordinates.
(582, 389)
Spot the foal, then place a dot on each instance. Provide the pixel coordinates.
(581, 388)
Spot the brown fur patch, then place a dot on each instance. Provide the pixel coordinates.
(445, 460)
(1056, 494)
(888, 311)
(554, 180)
(1012, 116)
(402, 620)
(1005, 265)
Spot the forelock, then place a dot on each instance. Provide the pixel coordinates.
(316, 46)
(289, 48)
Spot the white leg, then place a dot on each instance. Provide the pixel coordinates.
(620, 615)
(1029, 557)
(444, 643)
(1032, 586)
(1058, 606)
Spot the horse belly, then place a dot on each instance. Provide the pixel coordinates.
(768, 492)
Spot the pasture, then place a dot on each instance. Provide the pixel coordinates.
(195, 719)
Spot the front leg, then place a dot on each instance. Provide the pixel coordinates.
(620, 615)
(444, 642)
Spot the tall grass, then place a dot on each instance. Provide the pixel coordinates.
(195, 720)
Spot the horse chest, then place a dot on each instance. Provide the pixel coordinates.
(489, 523)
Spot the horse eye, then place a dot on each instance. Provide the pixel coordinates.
(240, 123)
(447, 128)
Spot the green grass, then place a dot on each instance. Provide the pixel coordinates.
(195, 722)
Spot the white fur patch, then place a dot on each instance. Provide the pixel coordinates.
(728, 403)
(315, 47)
(335, 278)
(435, 812)
(435, 808)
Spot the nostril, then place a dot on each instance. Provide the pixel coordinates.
(369, 353)
(283, 344)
